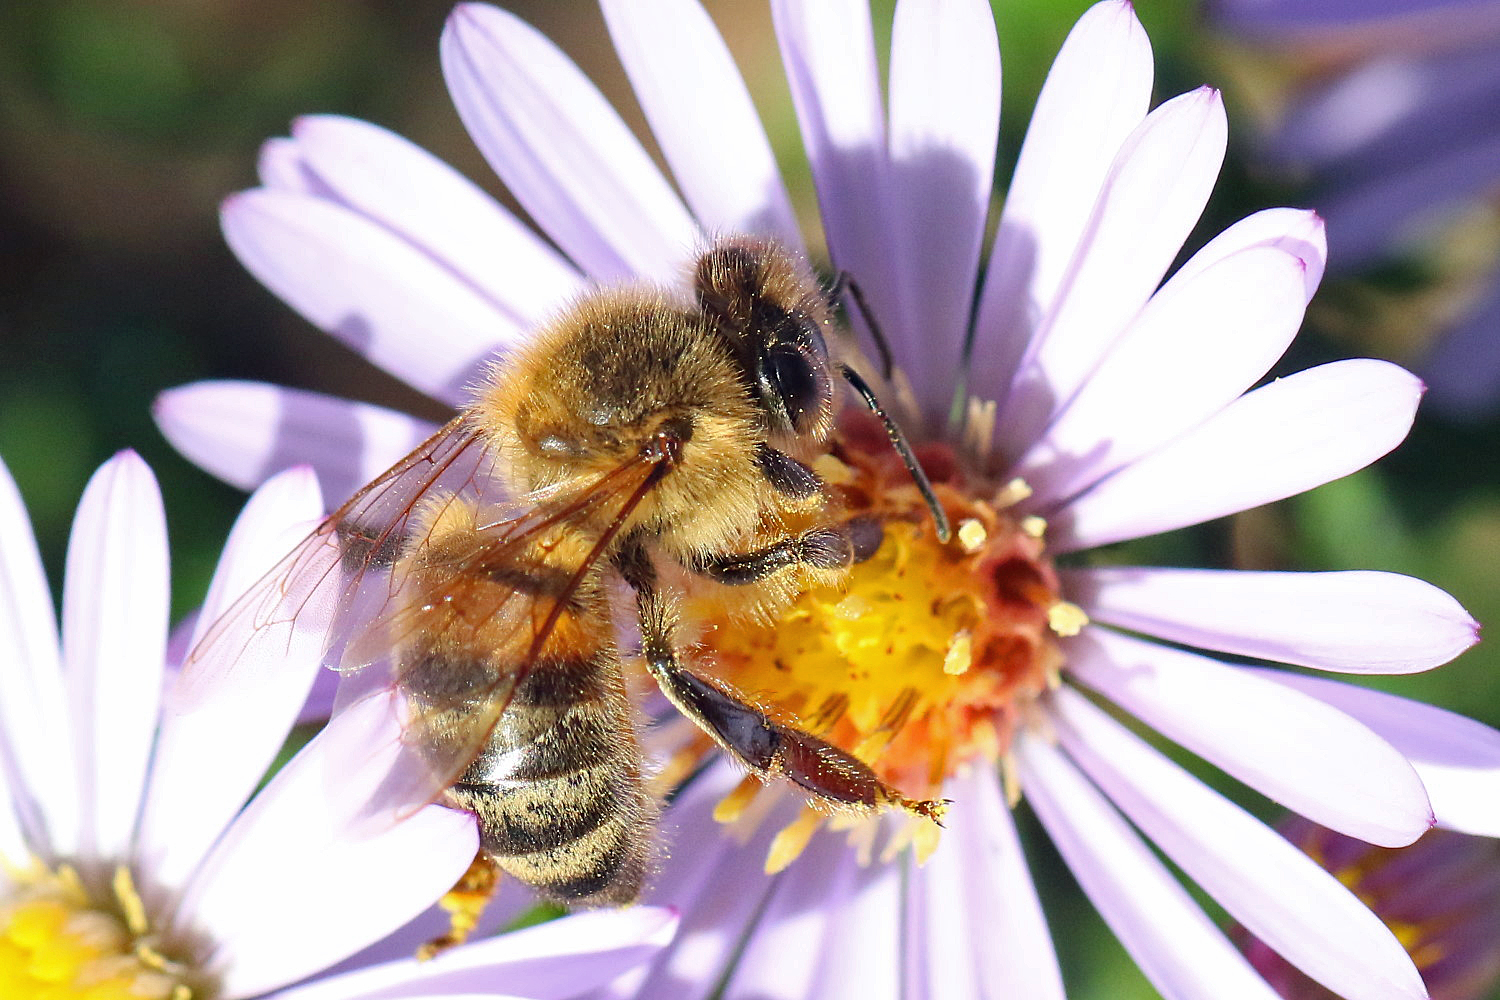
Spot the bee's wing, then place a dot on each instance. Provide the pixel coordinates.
(336, 577)
(507, 579)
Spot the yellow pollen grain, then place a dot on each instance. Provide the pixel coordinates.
(1066, 619)
(1034, 526)
(971, 535)
(1011, 494)
(791, 840)
(960, 654)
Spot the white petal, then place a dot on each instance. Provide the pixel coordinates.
(36, 731)
(945, 113)
(285, 931)
(1303, 753)
(1457, 758)
(208, 760)
(15, 852)
(1175, 944)
(562, 150)
(115, 644)
(702, 117)
(432, 206)
(862, 959)
(299, 880)
(280, 166)
(717, 886)
(1198, 344)
(1286, 437)
(784, 958)
(388, 300)
(976, 907)
(1297, 231)
(245, 432)
(551, 961)
(1096, 94)
(828, 49)
(1270, 887)
(1355, 622)
(1153, 196)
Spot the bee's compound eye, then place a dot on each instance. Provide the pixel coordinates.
(794, 380)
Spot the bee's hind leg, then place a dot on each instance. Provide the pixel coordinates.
(465, 903)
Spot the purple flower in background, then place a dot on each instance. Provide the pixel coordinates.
(1440, 896)
(1097, 404)
(132, 870)
(1396, 128)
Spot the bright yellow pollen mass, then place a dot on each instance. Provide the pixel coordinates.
(56, 945)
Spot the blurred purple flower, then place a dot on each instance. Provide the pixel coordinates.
(1127, 408)
(133, 870)
(1397, 131)
(1441, 897)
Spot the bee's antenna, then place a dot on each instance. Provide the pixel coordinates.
(898, 440)
(844, 282)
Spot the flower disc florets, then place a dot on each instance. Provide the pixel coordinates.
(60, 939)
(926, 656)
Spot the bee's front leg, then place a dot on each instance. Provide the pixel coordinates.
(835, 547)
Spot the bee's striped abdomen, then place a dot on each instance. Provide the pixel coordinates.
(558, 789)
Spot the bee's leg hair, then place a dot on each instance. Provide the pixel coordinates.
(465, 902)
(835, 779)
(832, 547)
(786, 475)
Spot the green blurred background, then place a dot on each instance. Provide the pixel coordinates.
(123, 124)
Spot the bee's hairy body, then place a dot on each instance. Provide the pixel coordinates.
(732, 396)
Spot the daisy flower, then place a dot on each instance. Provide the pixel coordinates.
(1393, 125)
(129, 870)
(1064, 392)
(1440, 896)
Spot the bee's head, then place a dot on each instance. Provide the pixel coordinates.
(767, 304)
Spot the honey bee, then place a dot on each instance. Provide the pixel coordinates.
(640, 445)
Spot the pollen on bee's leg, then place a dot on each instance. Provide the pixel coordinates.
(792, 840)
(464, 903)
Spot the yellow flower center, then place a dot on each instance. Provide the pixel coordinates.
(924, 658)
(57, 944)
